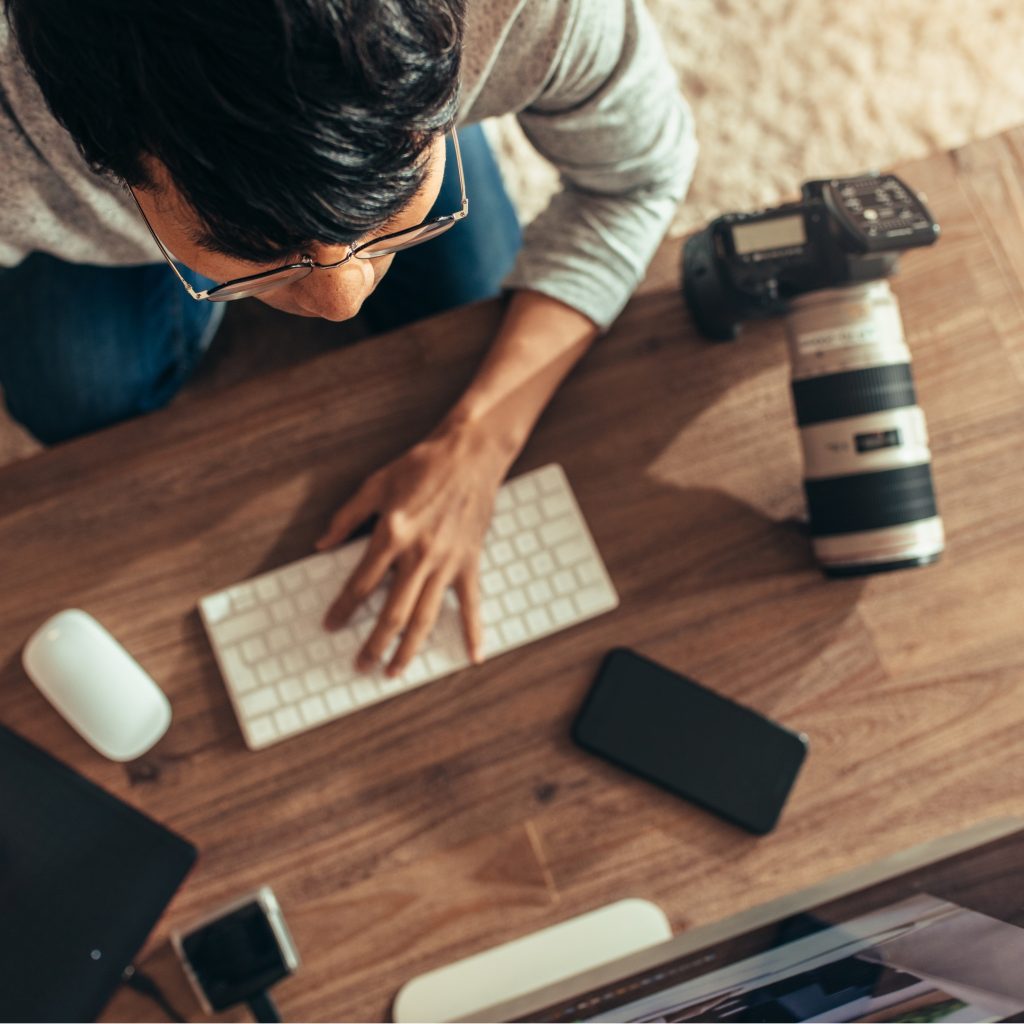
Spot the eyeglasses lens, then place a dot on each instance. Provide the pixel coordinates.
(423, 233)
(255, 286)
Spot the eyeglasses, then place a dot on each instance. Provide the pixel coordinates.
(256, 284)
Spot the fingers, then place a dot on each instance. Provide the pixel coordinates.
(359, 507)
(365, 578)
(398, 608)
(467, 589)
(421, 623)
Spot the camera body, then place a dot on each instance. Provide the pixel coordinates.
(843, 231)
(823, 264)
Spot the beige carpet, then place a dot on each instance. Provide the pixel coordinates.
(782, 90)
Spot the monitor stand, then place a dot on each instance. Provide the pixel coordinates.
(523, 965)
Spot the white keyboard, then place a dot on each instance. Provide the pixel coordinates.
(539, 573)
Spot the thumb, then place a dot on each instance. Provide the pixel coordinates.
(359, 507)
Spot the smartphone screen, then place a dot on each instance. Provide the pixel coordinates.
(672, 731)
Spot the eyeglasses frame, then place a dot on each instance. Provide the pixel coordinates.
(308, 262)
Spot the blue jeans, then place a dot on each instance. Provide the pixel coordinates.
(82, 347)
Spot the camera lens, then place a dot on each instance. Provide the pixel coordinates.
(867, 463)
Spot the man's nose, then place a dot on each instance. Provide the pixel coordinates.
(339, 294)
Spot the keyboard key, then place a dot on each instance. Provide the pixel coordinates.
(538, 621)
(493, 584)
(504, 525)
(313, 710)
(267, 588)
(517, 574)
(514, 602)
(282, 611)
(232, 658)
(589, 572)
(524, 489)
(564, 582)
(306, 602)
(259, 702)
(261, 731)
(364, 691)
(562, 610)
(242, 598)
(320, 569)
(269, 671)
(549, 479)
(217, 608)
(241, 626)
(491, 640)
(294, 660)
(527, 543)
(439, 661)
(528, 517)
(571, 552)
(278, 639)
(290, 690)
(345, 643)
(502, 552)
(542, 564)
(341, 671)
(254, 648)
(338, 700)
(513, 631)
(315, 680)
(490, 611)
(558, 530)
(293, 579)
(415, 671)
(539, 592)
(390, 685)
(503, 501)
(287, 720)
(592, 599)
(243, 680)
(555, 505)
(306, 629)
(319, 651)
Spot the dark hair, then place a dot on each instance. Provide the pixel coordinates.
(282, 122)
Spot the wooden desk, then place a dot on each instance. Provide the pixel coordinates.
(460, 815)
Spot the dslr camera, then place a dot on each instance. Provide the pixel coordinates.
(823, 263)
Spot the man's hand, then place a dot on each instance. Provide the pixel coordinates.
(433, 506)
(434, 503)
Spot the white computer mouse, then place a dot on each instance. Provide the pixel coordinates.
(101, 690)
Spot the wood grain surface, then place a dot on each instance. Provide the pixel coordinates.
(460, 815)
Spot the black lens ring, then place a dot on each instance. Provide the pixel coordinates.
(870, 501)
(837, 396)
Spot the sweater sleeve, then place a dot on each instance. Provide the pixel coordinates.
(613, 122)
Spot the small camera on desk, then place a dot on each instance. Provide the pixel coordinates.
(822, 263)
(237, 953)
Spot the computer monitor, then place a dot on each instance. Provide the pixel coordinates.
(933, 934)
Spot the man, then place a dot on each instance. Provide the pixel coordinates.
(292, 150)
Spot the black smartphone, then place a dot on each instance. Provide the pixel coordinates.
(674, 732)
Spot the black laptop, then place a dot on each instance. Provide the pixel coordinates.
(83, 880)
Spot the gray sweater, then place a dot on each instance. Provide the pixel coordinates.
(587, 79)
